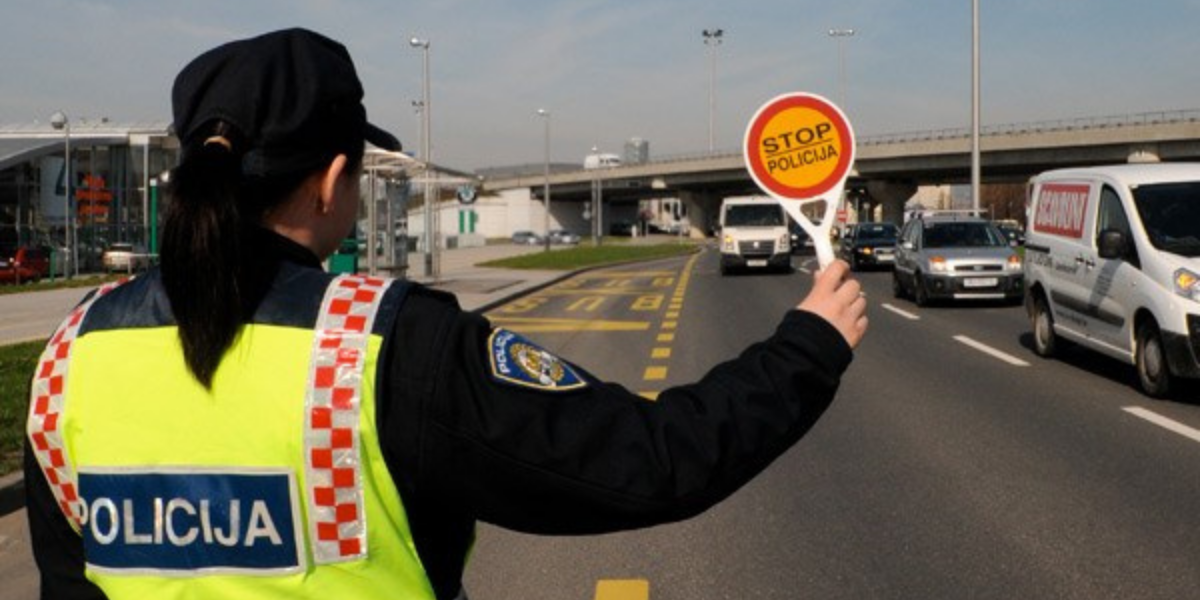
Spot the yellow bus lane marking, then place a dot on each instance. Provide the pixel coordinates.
(649, 302)
(655, 373)
(622, 589)
(533, 325)
(626, 274)
(586, 303)
(600, 291)
(666, 335)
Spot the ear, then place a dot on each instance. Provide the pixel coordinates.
(329, 180)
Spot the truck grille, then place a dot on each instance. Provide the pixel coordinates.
(764, 247)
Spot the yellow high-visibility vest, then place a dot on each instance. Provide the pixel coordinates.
(271, 485)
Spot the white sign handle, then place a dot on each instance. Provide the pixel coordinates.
(820, 234)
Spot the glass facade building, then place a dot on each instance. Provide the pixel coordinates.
(106, 193)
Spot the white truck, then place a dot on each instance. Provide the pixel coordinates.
(754, 235)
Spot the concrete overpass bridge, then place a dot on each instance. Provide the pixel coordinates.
(888, 168)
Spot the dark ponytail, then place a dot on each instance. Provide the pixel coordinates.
(202, 252)
(211, 267)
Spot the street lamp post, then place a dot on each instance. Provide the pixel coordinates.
(840, 35)
(712, 39)
(976, 173)
(545, 115)
(431, 263)
(59, 120)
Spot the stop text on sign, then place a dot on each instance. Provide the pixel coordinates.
(799, 146)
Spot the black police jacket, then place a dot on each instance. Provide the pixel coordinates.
(464, 447)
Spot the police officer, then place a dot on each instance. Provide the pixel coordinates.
(238, 423)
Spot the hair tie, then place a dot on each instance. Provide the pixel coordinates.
(220, 140)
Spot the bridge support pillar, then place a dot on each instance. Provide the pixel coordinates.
(891, 195)
(702, 211)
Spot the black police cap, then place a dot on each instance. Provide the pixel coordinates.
(293, 95)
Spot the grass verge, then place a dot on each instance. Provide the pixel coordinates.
(84, 281)
(16, 370)
(581, 257)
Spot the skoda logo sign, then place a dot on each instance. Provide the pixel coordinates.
(466, 194)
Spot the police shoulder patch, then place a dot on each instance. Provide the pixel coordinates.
(518, 361)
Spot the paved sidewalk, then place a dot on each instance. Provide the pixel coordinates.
(482, 288)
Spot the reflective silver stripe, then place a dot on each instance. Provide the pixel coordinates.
(337, 524)
(46, 403)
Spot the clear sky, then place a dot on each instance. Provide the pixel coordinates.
(615, 69)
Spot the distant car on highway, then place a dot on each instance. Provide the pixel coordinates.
(564, 237)
(125, 257)
(525, 237)
(956, 258)
(801, 241)
(870, 244)
(1014, 233)
(624, 228)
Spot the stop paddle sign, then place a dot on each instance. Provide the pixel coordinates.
(799, 149)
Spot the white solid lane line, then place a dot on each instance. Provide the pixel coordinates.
(986, 349)
(903, 313)
(1164, 422)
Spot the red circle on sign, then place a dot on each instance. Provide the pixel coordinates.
(764, 116)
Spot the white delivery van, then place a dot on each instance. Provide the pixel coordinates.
(1111, 263)
(754, 235)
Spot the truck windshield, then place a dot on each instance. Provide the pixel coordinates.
(753, 215)
(1170, 213)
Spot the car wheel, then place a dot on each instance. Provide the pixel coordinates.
(1154, 374)
(1045, 341)
(920, 295)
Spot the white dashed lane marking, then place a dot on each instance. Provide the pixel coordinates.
(990, 351)
(901, 312)
(1164, 422)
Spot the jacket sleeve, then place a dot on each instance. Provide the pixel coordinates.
(600, 458)
(57, 548)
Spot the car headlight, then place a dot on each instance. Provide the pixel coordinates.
(1187, 284)
(727, 243)
(785, 240)
(1014, 263)
(937, 263)
(867, 251)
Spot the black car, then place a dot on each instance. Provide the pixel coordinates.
(870, 245)
(801, 242)
(624, 228)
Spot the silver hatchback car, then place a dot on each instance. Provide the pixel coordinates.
(955, 258)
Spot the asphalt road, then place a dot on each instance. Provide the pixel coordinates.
(35, 316)
(954, 463)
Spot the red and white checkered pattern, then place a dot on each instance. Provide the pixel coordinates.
(332, 404)
(46, 404)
